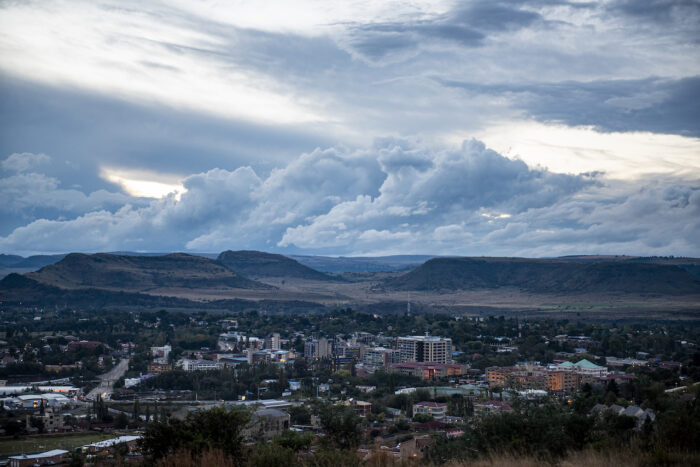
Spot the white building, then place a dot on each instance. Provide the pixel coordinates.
(34, 401)
(200, 365)
(161, 352)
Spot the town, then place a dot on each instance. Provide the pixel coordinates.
(85, 386)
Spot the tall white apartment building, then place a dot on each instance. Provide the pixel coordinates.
(424, 349)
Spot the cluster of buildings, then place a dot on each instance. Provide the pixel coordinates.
(563, 376)
(93, 451)
(427, 357)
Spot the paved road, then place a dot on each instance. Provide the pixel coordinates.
(105, 387)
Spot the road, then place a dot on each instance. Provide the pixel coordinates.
(107, 380)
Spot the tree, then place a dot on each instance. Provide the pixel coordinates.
(217, 428)
(299, 415)
(422, 418)
(272, 455)
(121, 421)
(294, 440)
(341, 425)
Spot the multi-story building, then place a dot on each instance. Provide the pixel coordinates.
(427, 370)
(424, 349)
(566, 376)
(200, 365)
(267, 423)
(161, 352)
(318, 348)
(379, 357)
(521, 376)
(324, 348)
(159, 367)
(562, 380)
(438, 410)
(309, 348)
(362, 408)
(352, 351)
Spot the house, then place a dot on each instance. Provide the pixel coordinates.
(437, 410)
(52, 419)
(131, 442)
(413, 448)
(55, 456)
(267, 423)
(362, 408)
(491, 407)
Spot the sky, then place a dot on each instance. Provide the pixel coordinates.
(351, 127)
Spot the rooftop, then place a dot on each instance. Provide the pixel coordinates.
(41, 455)
(431, 404)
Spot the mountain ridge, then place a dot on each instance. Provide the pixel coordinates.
(140, 273)
(547, 276)
(259, 264)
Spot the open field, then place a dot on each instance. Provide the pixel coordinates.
(9, 447)
(367, 293)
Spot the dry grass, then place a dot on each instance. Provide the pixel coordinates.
(209, 458)
(589, 458)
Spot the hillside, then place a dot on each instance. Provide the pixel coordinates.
(259, 264)
(36, 261)
(140, 273)
(361, 264)
(548, 276)
(17, 290)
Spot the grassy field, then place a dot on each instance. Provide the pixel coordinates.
(46, 443)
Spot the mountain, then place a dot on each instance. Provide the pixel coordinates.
(7, 261)
(31, 262)
(18, 290)
(38, 261)
(548, 276)
(357, 264)
(140, 273)
(259, 264)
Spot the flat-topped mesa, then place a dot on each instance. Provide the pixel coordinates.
(258, 264)
(139, 273)
(548, 276)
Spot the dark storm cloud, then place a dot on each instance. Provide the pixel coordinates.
(656, 10)
(466, 25)
(395, 196)
(653, 104)
(83, 131)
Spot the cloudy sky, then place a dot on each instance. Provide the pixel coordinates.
(494, 127)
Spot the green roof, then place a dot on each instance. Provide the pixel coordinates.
(590, 365)
(582, 364)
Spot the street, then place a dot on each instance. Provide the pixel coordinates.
(108, 379)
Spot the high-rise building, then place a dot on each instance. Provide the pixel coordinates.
(310, 348)
(379, 356)
(318, 348)
(424, 349)
(324, 348)
(276, 341)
